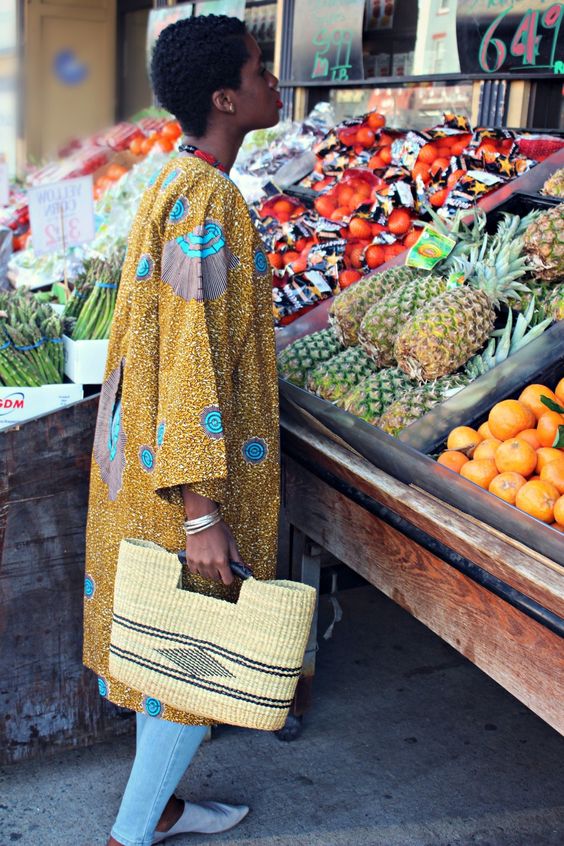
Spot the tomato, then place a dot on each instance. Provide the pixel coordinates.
(340, 213)
(146, 146)
(360, 228)
(427, 154)
(376, 162)
(377, 228)
(399, 221)
(376, 120)
(325, 206)
(171, 130)
(386, 154)
(374, 255)
(356, 256)
(299, 264)
(439, 165)
(289, 256)
(454, 177)
(349, 277)
(164, 144)
(422, 170)
(275, 260)
(135, 145)
(412, 238)
(283, 206)
(365, 137)
(344, 193)
(438, 198)
(115, 171)
(393, 250)
(347, 135)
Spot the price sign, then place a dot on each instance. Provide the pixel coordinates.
(510, 36)
(327, 40)
(4, 182)
(61, 215)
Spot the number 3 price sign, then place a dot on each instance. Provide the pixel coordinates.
(61, 215)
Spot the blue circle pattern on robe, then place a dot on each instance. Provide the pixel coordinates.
(260, 262)
(110, 438)
(153, 707)
(211, 421)
(179, 210)
(147, 458)
(255, 450)
(89, 586)
(195, 265)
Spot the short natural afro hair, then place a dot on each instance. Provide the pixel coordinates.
(191, 59)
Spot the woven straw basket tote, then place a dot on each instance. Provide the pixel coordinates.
(235, 663)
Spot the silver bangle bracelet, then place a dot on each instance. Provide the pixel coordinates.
(192, 527)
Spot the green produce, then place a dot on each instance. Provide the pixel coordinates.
(382, 322)
(95, 317)
(349, 307)
(371, 397)
(544, 242)
(31, 343)
(297, 359)
(332, 380)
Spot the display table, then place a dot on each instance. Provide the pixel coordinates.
(494, 600)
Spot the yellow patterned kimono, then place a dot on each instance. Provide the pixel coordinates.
(190, 396)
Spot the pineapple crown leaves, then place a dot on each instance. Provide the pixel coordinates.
(504, 342)
(494, 270)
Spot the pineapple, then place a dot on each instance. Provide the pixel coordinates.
(419, 401)
(384, 320)
(544, 242)
(295, 362)
(332, 380)
(349, 307)
(370, 398)
(553, 305)
(554, 185)
(416, 402)
(443, 334)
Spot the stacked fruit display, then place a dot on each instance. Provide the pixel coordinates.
(402, 340)
(372, 186)
(517, 453)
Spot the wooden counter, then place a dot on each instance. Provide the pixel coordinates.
(494, 600)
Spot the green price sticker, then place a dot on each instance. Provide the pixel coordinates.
(431, 248)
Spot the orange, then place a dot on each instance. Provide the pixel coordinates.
(348, 277)
(508, 418)
(465, 439)
(530, 435)
(559, 511)
(557, 526)
(427, 154)
(275, 260)
(547, 427)
(559, 391)
(547, 454)
(374, 256)
(325, 206)
(412, 237)
(386, 154)
(516, 456)
(438, 198)
(422, 170)
(365, 137)
(531, 397)
(452, 459)
(481, 471)
(484, 431)
(538, 499)
(553, 472)
(487, 448)
(399, 221)
(535, 478)
(506, 485)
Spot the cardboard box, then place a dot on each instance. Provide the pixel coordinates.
(19, 404)
(85, 361)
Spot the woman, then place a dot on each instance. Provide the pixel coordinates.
(188, 416)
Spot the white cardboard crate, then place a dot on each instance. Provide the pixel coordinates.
(85, 361)
(20, 404)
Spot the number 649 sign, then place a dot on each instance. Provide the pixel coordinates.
(61, 215)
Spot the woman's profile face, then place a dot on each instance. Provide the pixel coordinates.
(257, 101)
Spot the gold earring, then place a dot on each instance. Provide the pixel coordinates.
(231, 108)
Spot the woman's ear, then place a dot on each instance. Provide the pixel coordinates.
(223, 102)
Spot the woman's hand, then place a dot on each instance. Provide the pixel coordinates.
(208, 553)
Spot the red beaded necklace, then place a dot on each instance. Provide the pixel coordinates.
(201, 154)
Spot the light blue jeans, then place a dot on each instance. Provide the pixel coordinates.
(164, 751)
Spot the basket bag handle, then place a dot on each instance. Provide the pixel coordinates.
(238, 569)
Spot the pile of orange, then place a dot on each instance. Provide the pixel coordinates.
(516, 453)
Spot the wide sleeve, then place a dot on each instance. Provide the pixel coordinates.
(202, 325)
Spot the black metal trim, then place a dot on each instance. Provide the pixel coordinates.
(385, 81)
(513, 597)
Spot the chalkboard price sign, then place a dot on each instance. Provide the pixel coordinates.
(327, 40)
(511, 36)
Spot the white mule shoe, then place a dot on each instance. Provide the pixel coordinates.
(205, 818)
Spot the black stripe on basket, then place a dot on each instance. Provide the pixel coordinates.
(230, 692)
(236, 658)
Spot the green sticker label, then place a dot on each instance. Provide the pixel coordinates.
(431, 248)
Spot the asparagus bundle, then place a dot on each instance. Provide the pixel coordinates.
(94, 317)
(31, 343)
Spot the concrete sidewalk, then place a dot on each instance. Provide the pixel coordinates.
(408, 744)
